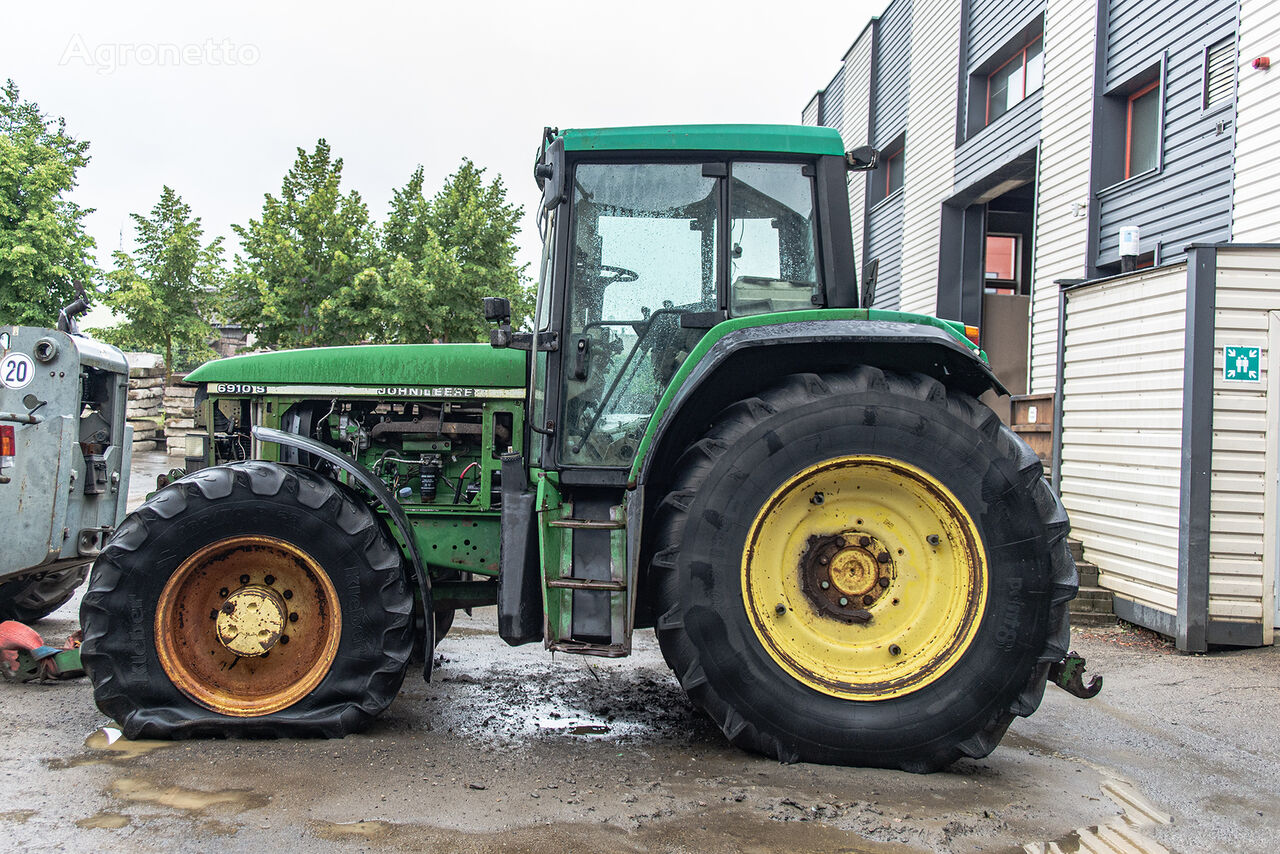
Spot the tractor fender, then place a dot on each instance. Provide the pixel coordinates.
(745, 360)
(378, 490)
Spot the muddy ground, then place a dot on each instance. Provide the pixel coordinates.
(516, 750)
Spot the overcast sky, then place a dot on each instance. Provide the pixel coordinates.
(215, 100)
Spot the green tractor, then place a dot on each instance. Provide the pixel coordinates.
(846, 557)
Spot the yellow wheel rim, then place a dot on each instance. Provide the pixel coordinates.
(864, 577)
(248, 625)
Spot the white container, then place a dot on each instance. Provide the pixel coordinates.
(1130, 238)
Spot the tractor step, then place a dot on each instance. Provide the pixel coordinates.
(586, 584)
(589, 603)
(589, 524)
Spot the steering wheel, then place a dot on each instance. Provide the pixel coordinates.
(610, 275)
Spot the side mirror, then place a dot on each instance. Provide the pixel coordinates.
(497, 309)
(548, 169)
(869, 273)
(861, 159)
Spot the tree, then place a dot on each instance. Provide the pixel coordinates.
(166, 288)
(43, 244)
(311, 243)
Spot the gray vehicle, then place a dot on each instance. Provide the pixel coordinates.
(65, 449)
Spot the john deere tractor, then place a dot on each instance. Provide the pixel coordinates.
(702, 429)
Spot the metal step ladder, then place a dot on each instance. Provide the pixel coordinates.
(589, 605)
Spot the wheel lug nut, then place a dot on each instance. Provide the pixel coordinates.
(270, 579)
(825, 585)
(868, 599)
(883, 557)
(894, 649)
(213, 615)
(883, 582)
(933, 539)
(224, 593)
(244, 579)
(293, 618)
(288, 594)
(843, 601)
(284, 639)
(841, 542)
(864, 542)
(780, 609)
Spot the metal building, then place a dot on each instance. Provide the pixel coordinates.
(1020, 140)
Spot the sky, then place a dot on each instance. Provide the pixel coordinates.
(215, 100)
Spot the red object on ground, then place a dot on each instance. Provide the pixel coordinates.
(15, 637)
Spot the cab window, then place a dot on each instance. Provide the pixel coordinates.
(772, 256)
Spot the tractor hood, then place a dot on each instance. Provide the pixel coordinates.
(474, 365)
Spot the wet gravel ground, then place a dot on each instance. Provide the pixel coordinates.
(517, 750)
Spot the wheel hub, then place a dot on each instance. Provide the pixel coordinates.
(251, 620)
(844, 574)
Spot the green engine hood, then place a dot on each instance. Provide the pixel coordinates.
(476, 365)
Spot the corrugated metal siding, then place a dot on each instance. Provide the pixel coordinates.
(809, 115)
(1063, 191)
(884, 241)
(1189, 199)
(855, 129)
(993, 22)
(1240, 578)
(1122, 430)
(833, 101)
(893, 64)
(931, 147)
(1014, 133)
(1257, 181)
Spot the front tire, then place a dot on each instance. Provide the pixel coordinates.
(862, 569)
(252, 598)
(38, 595)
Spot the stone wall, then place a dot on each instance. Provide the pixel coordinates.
(146, 399)
(180, 413)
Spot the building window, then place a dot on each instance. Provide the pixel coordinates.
(1142, 131)
(886, 178)
(1219, 72)
(1018, 77)
(1001, 262)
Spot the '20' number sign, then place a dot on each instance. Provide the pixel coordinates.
(17, 370)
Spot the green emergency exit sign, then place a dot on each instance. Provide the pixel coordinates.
(1241, 364)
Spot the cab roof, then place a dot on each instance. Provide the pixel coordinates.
(782, 139)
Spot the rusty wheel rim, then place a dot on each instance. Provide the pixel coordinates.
(248, 625)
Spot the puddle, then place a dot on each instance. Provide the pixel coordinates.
(109, 746)
(17, 816)
(104, 821)
(1122, 834)
(337, 831)
(190, 800)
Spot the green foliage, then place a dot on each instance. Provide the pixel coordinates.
(438, 257)
(310, 244)
(165, 290)
(43, 244)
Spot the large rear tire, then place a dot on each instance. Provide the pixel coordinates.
(862, 569)
(31, 597)
(252, 598)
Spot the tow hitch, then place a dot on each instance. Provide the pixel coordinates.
(1068, 675)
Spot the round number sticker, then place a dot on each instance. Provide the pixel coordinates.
(17, 370)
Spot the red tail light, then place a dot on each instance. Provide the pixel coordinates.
(8, 445)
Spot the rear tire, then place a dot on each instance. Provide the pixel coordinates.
(280, 543)
(32, 597)
(754, 617)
